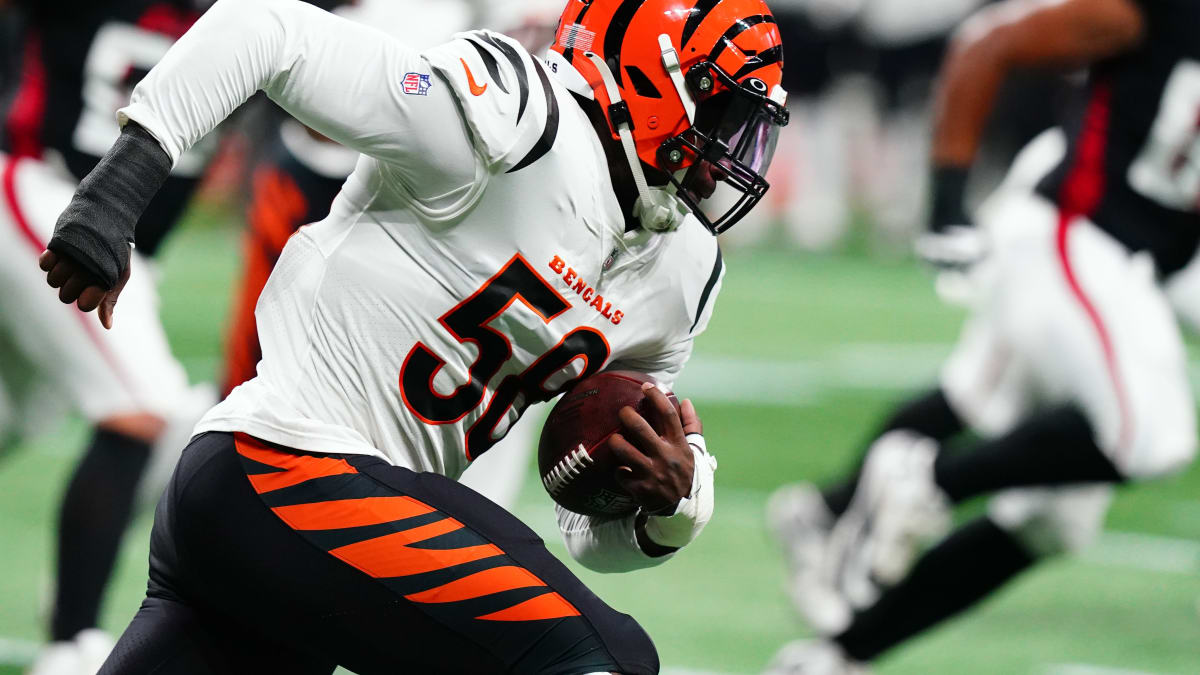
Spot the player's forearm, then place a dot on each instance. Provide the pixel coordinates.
(969, 81)
(1057, 34)
(643, 540)
(329, 73)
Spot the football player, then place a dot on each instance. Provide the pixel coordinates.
(1071, 367)
(79, 62)
(513, 225)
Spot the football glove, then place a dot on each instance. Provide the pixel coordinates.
(97, 227)
(951, 243)
(955, 247)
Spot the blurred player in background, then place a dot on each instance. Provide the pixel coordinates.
(1071, 368)
(9, 52)
(859, 73)
(486, 174)
(77, 63)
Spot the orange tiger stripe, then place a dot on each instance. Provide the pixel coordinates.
(548, 606)
(259, 451)
(382, 559)
(416, 534)
(487, 582)
(305, 468)
(296, 468)
(342, 513)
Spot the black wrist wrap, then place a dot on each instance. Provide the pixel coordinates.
(98, 225)
(949, 189)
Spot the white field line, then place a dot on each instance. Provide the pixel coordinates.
(17, 652)
(863, 365)
(872, 366)
(1087, 669)
(1144, 552)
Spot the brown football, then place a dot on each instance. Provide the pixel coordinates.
(576, 465)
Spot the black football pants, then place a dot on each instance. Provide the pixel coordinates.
(268, 560)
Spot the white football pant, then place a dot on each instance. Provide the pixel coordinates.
(1064, 314)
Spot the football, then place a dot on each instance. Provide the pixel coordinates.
(574, 461)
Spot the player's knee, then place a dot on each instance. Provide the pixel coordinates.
(630, 650)
(1159, 449)
(1048, 536)
(1053, 522)
(1176, 452)
(636, 652)
(618, 645)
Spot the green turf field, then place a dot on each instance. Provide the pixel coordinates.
(803, 355)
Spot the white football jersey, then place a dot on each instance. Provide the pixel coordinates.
(475, 261)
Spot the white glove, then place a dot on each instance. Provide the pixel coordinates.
(956, 247)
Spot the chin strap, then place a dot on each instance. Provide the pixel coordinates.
(670, 59)
(658, 209)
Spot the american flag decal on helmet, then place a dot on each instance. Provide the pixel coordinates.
(576, 36)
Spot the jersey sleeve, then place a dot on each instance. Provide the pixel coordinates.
(352, 83)
(510, 103)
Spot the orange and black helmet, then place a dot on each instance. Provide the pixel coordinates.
(699, 83)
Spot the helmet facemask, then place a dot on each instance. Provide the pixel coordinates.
(731, 141)
(718, 166)
(694, 136)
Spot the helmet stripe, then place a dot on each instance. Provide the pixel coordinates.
(739, 27)
(614, 35)
(587, 4)
(696, 16)
(546, 141)
(762, 60)
(569, 54)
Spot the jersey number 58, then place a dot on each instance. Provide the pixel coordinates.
(469, 322)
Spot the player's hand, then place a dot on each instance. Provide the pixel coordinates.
(78, 285)
(954, 247)
(691, 421)
(656, 466)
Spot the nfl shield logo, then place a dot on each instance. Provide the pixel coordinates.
(417, 84)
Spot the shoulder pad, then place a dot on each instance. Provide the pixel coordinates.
(508, 99)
